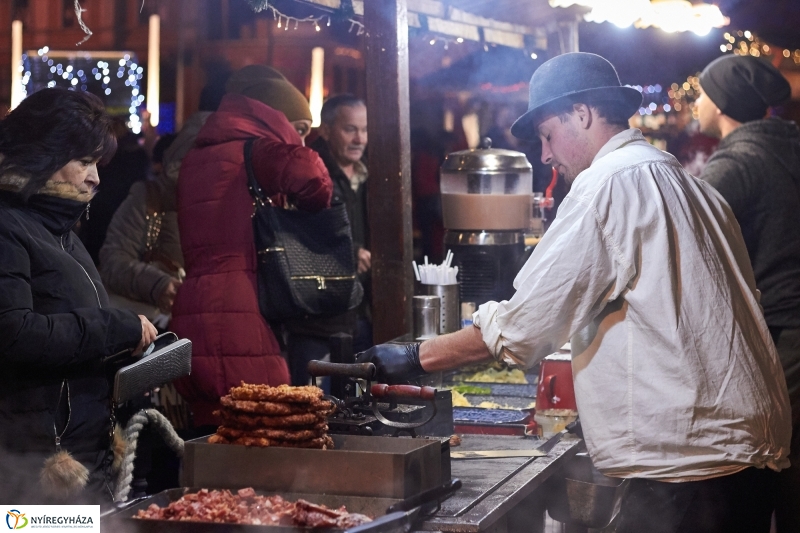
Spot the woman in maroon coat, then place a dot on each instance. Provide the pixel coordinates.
(217, 306)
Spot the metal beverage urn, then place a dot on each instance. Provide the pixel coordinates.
(486, 207)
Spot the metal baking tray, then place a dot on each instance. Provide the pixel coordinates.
(518, 430)
(500, 389)
(480, 415)
(507, 402)
(372, 466)
(123, 521)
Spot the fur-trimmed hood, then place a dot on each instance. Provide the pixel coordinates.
(13, 182)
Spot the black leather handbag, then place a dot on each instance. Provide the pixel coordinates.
(306, 262)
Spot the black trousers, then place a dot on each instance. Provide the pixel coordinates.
(787, 504)
(737, 503)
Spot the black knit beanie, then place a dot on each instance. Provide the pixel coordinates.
(743, 87)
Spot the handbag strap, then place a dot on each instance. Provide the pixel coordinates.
(255, 189)
(260, 200)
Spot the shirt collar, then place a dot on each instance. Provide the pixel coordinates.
(359, 175)
(618, 141)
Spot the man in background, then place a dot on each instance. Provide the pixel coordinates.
(756, 168)
(341, 144)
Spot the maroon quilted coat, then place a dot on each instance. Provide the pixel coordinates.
(217, 306)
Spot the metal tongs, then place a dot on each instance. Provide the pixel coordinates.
(403, 515)
(373, 393)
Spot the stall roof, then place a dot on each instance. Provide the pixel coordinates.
(536, 13)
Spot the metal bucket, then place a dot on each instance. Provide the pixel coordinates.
(582, 496)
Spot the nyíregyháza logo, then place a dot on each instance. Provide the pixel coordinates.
(16, 519)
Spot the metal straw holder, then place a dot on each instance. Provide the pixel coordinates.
(449, 310)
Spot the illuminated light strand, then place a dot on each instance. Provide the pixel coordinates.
(748, 43)
(74, 78)
(447, 42)
(356, 24)
(284, 21)
(79, 15)
(669, 15)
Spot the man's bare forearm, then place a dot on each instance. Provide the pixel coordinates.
(453, 350)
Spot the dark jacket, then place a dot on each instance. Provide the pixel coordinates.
(217, 305)
(355, 201)
(756, 169)
(54, 329)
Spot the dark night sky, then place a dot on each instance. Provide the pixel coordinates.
(648, 56)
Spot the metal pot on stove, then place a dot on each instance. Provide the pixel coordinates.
(486, 207)
(486, 189)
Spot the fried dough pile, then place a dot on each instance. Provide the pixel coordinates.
(246, 507)
(260, 415)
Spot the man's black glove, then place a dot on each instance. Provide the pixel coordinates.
(395, 363)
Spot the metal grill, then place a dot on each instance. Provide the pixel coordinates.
(477, 275)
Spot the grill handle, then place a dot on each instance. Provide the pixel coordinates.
(403, 391)
(355, 370)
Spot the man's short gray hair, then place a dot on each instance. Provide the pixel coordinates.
(332, 105)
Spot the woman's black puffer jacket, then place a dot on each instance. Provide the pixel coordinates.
(54, 330)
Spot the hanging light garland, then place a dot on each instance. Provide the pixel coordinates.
(75, 71)
(284, 21)
(669, 15)
(79, 15)
(748, 43)
(682, 95)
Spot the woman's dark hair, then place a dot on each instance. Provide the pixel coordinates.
(49, 129)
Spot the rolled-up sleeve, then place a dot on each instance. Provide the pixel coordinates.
(577, 268)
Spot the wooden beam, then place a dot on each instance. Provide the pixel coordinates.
(389, 185)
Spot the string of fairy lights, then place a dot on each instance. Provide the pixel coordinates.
(675, 99)
(284, 22)
(680, 96)
(115, 75)
(748, 43)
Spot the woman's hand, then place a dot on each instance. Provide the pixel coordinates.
(167, 297)
(149, 334)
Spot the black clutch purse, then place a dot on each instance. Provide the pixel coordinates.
(306, 261)
(167, 359)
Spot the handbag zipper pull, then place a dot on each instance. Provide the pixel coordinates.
(321, 283)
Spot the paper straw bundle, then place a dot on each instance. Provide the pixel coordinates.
(429, 274)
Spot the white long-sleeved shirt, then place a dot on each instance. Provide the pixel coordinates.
(645, 271)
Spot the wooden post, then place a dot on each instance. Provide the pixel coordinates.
(389, 186)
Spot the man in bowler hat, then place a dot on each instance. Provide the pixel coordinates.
(756, 168)
(645, 272)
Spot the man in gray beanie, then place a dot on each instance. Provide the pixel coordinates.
(756, 168)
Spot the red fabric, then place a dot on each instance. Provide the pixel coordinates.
(217, 306)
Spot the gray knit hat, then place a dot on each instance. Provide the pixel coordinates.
(743, 87)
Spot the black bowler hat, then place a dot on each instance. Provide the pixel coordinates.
(572, 75)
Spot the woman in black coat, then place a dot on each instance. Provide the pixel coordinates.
(55, 326)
